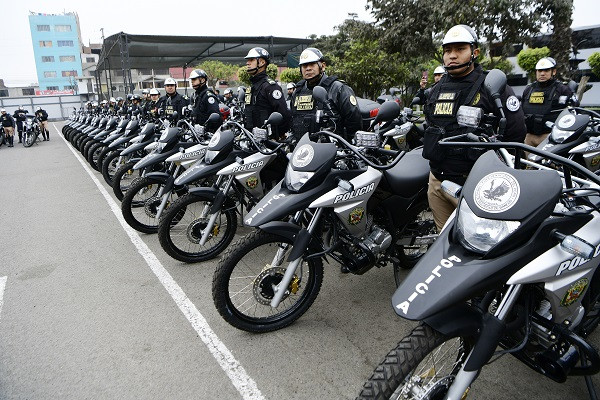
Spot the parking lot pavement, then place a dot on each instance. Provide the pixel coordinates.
(86, 314)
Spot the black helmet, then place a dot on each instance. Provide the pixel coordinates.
(136, 97)
(129, 96)
(119, 99)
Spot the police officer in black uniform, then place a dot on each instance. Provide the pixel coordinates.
(265, 95)
(8, 123)
(462, 85)
(542, 98)
(341, 100)
(228, 97)
(423, 94)
(172, 101)
(204, 101)
(151, 106)
(19, 117)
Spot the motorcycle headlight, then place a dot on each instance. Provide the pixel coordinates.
(481, 234)
(559, 136)
(294, 180)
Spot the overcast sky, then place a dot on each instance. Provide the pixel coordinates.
(287, 18)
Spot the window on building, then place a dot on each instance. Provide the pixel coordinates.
(28, 91)
(51, 87)
(3, 93)
(67, 58)
(49, 74)
(65, 43)
(62, 28)
(43, 28)
(69, 73)
(90, 59)
(45, 43)
(47, 58)
(69, 87)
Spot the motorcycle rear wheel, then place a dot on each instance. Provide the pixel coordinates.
(424, 362)
(180, 229)
(242, 284)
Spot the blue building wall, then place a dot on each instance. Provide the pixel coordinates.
(56, 37)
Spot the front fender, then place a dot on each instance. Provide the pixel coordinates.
(160, 177)
(281, 228)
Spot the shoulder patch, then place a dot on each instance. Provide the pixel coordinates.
(276, 94)
(353, 100)
(186, 97)
(512, 103)
(211, 99)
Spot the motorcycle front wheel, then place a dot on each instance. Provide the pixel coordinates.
(28, 138)
(422, 366)
(243, 283)
(140, 205)
(181, 225)
(123, 178)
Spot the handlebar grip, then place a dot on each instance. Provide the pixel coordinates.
(471, 137)
(391, 153)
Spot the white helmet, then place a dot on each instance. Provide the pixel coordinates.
(439, 70)
(460, 34)
(228, 91)
(113, 100)
(3, 110)
(546, 63)
(170, 81)
(310, 55)
(145, 91)
(154, 91)
(198, 73)
(258, 52)
(291, 86)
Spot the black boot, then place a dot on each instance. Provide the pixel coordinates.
(20, 137)
(47, 135)
(10, 141)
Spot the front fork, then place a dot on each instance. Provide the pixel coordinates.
(216, 209)
(295, 258)
(165, 196)
(465, 377)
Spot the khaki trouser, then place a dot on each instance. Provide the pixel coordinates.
(9, 130)
(441, 203)
(535, 140)
(44, 125)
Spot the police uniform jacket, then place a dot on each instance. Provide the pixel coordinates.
(42, 115)
(7, 120)
(205, 103)
(341, 100)
(440, 113)
(539, 101)
(19, 116)
(264, 97)
(174, 103)
(423, 94)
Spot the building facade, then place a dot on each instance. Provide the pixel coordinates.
(56, 41)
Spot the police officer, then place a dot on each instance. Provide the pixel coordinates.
(462, 85)
(204, 102)
(119, 106)
(542, 98)
(8, 123)
(422, 93)
(341, 100)
(265, 95)
(150, 108)
(136, 105)
(172, 101)
(42, 116)
(19, 116)
(145, 96)
(228, 97)
(290, 89)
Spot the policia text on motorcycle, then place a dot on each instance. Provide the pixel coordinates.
(462, 85)
(265, 95)
(340, 97)
(543, 100)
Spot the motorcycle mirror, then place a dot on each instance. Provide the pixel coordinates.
(175, 114)
(320, 94)
(495, 83)
(275, 119)
(387, 112)
(213, 119)
(415, 101)
(241, 93)
(394, 90)
(573, 86)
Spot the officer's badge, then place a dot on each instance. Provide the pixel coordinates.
(476, 99)
(211, 100)
(252, 182)
(512, 103)
(353, 100)
(276, 94)
(356, 215)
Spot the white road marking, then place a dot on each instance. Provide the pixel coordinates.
(244, 384)
(2, 287)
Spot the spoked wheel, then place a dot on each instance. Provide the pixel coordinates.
(140, 205)
(181, 226)
(29, 138)
(243, 283)
(123, 178)
(110, 165)
(422, 366)
(417, 236)
(94, 154)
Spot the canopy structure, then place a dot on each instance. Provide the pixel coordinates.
(123, 51)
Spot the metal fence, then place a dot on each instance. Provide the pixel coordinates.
(58, 107)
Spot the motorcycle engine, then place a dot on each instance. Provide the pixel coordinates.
(359, 257)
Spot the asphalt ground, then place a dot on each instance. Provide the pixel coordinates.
(92, 310)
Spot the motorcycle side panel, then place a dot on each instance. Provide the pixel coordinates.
(202, 170)
(193, 153)
(248, 173)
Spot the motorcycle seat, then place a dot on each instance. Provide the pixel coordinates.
(410, 174)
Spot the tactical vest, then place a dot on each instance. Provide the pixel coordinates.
(303, 107)
(537, 104)
(257, 109)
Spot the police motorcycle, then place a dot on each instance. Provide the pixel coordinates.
(90, 123)
(96, 126)
(337, 200)
(31, 130)
(2, 136)
(201, 224)
(512, 272)
(574, 135)
(155, 188)
(108, 122)
(110, 128)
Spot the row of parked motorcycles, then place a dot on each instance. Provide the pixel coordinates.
(512, 272)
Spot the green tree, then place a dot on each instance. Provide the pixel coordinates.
(594, 61)
(244, 76)
(529, 57)
(290, 75)
(336, 45)
(500, 63)
(560, 15)
(217, 71)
